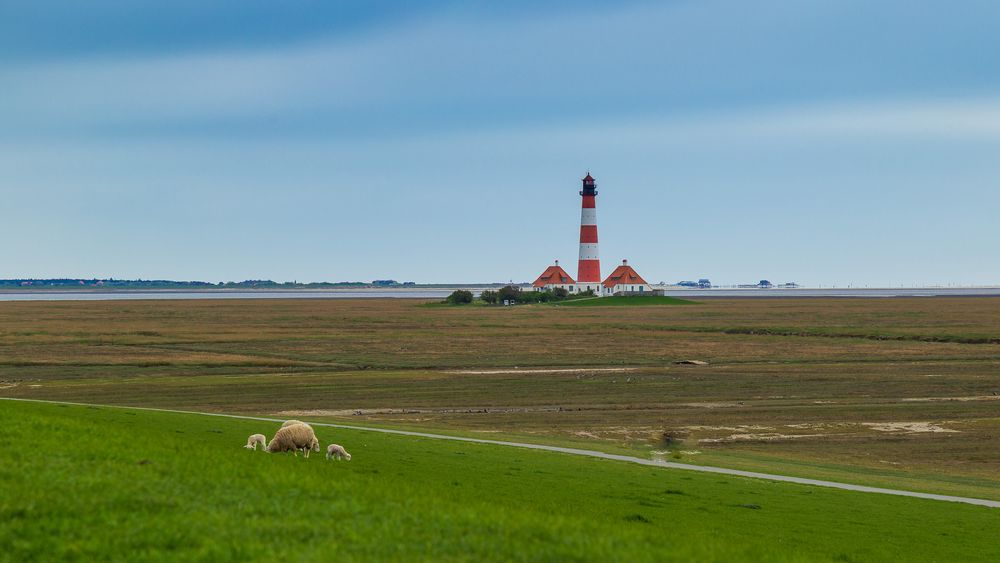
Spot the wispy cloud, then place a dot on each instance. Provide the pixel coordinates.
(453, 72)
(938, 119)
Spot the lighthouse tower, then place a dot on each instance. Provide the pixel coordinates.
(589, 268)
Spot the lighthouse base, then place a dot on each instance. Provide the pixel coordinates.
(581, 287)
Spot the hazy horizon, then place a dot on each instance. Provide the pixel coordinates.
(827, 143)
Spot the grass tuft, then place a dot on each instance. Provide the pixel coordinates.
(627, 301)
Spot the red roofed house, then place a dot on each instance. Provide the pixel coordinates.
(553, 277)
(625, 280)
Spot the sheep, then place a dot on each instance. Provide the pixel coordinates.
(314, 447)
(294, 438)
(255, 439)
(337, 451)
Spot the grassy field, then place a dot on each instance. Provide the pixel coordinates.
(891, 392)
(84, 483)
(627, 301)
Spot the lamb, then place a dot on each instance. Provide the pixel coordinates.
(255, 439)
(337, 451)
(291, 422)
(294, 438)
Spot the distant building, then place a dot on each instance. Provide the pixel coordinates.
(625, 280)
(702, 283)
(762, 284)
(554, 276)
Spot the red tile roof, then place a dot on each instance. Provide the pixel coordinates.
(553, 275)
(624, 274)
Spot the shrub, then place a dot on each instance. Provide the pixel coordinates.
(533, 296)
(459, 297)
(514, 294)
(509, 292)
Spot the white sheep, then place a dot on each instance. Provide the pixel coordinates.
(255, 439)
(315, 447)
(294, 438)
(337, 451)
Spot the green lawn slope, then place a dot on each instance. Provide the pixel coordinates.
(91, 483)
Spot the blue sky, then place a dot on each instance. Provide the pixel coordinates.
(823, 142)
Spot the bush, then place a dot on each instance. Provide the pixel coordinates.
(533, 296)
(509, 293)
(514, 294)
(588, 293)
(459, 297)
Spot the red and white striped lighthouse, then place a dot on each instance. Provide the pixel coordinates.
(589, 268)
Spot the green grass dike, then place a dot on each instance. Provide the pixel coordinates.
(626, 301)
(86, 483)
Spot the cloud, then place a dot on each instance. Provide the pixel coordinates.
(903, 119)
(453, 72)
(947, 120)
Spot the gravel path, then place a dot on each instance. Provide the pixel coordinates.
(581, 452)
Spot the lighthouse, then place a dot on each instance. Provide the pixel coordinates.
(624, 280)
(589, 267)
